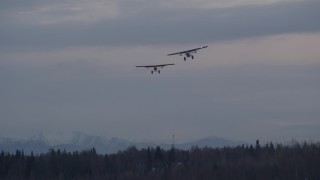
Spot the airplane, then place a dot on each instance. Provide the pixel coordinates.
(188, 53)
(155, 67)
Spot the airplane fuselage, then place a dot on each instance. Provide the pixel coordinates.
(155, 68)
(188, 53)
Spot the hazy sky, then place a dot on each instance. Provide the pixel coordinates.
(69, 65)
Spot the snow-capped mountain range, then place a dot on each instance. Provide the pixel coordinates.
(80, 141)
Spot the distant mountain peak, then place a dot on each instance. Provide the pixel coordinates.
(78, 141)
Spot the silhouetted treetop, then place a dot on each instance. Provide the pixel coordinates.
(263, 162)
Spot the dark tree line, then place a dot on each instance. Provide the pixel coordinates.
(247, 162)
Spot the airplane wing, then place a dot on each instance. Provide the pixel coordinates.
(158, 65)
(191, 50)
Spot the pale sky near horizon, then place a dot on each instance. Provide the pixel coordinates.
(69, 66)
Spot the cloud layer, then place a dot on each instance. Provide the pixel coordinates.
(69, 65)
(85, 25)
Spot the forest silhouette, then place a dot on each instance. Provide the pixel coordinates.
(295, 161)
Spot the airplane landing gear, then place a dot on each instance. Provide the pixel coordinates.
(184, 58)
(151, 72)
(192, 57)
(159, 71)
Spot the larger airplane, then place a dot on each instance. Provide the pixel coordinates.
(188, 53)
(155, 68)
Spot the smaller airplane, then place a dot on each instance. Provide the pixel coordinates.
(188, 53)
(155, 68)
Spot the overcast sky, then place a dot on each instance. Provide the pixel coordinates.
(69, 65)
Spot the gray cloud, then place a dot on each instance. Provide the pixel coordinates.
(245, 102)
(21, 4)
(167, 26)
(96, 90)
